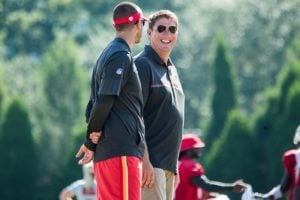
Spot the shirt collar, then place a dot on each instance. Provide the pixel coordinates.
(150, 51)
(122, 41)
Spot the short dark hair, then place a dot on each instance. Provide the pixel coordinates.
(162, 14)
(122, 10)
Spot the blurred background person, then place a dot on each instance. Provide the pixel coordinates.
(290, 181)
(83, 189)
(194, 185)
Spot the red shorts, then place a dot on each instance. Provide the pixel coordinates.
(119, 178)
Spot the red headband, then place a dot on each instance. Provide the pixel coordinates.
(129, 19)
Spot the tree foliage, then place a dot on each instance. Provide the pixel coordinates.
(63, 95)
(18, 154)
(47, 48)
(274, 126)
(224, 94)
(230, 157)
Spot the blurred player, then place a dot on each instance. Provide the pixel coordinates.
(290, 181)
(194, 185)
(83, 189)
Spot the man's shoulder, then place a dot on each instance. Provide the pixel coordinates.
(190, 165)
(189, 162)
(114, 54)
(142, 61)
(115, 48)
(142, 56)
(289, 157)
(290, 152)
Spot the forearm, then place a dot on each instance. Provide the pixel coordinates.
(211, 186)
(99, 114)
(146, 152)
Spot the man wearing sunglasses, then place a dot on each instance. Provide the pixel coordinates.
(163, 101)
(115, 132)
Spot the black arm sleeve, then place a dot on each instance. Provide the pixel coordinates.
(98, 117)
(211, 186)
(285, 182)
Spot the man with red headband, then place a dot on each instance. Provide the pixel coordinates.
(194, 185)
(114, 113)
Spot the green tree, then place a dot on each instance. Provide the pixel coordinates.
(18, 154)
(274, 126)
(231, 156)
(68, 172)
(224, 94)
(223, 161)
(26, 27)
(288, 117)
(1, 107)
(283, 134)
(60, 108)
(63, 82)
(1, 104)
(71, 170)
(63, 107)
(258, 33)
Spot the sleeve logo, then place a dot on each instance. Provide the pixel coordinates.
(119, 71)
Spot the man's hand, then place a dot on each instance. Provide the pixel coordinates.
(95, 137)
(148, 174)
(239, 186)
(87, 157)
(176, 181)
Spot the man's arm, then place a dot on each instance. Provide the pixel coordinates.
(215, 186)
(278, 191)
(285, 182)
(111, 80)
(148, 171)
(65, 194)
(296, 194)
(144, 76)
(99, 114)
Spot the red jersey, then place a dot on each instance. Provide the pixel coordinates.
(186, 190)
(289, 160)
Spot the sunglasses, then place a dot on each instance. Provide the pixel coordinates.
(162, 28)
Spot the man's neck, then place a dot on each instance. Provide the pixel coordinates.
(128, 37)
(164, 56)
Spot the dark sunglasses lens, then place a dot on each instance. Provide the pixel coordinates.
(161, 28)
(173, 29)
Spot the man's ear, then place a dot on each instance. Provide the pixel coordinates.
(140, 25)
(149, 31)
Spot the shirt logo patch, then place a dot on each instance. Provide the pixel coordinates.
(119, 71)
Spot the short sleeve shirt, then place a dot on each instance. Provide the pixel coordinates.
(78, 189)
(163, 101)
(186, 190)
(115, 74)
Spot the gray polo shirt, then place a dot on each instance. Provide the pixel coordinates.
(163, 101)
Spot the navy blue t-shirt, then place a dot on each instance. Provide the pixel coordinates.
(123, 130)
